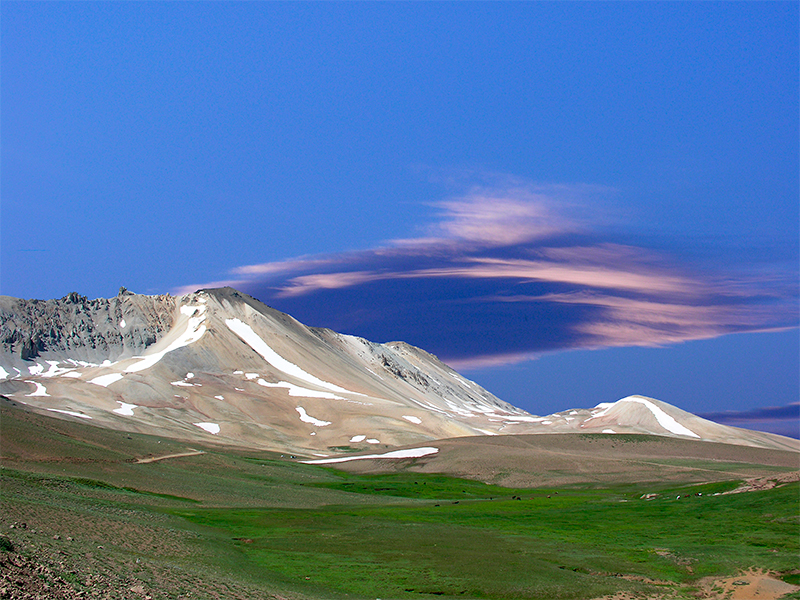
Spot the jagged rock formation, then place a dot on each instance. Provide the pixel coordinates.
(220, 365)
(88, 330)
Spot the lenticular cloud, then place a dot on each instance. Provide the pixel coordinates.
(504, 273)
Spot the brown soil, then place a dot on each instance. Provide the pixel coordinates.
(564, 459)
(752, 585)
(766, 483)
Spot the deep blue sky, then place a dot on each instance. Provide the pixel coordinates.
(569, 201)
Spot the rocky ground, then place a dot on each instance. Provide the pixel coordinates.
(38, 565)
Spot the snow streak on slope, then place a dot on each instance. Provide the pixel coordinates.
(125, 408)
(195, 328)
(409, 453)
(40, 390)
(306, 418)
(106, 380)
(665, 420)
(252, 339)
(297, 391)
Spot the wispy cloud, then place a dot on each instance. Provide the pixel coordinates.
(774, 419)
(504, 272)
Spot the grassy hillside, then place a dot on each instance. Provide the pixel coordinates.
(236, 524)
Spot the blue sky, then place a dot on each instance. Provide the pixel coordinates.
(570, 202)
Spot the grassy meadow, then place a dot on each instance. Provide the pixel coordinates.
(236, 524)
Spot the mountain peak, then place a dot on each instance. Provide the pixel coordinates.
(217, 364)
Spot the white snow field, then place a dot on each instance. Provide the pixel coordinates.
(209, 427)
(297, 391)
(106, 380)
(69, 412)
(39, 391)
(408, 453)
(252, 339)
(125, 408)
(195, 328)
(306, 418)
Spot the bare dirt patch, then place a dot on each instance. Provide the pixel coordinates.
(751, 585)
(766, 483)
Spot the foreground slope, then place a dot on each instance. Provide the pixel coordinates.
(220, 365)
(98, 512)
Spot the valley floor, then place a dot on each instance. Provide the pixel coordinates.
(82, 515)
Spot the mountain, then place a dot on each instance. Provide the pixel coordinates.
(220, 365)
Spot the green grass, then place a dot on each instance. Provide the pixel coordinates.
(568, 545)
(249, 519)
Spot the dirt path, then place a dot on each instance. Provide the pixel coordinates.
(141, 461)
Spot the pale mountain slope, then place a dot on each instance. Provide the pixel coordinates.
(219, 365)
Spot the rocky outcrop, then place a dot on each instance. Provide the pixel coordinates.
(84, 329)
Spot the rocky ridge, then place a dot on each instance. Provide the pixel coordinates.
(88, 330)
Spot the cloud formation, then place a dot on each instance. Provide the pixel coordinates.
(505, 273)
(782, 420)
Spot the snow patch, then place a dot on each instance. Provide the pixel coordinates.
(72, 374)
(195, 328)
(373, 441)
(106, 380)
(122, 324)
(395, 454)
(220, 397)
(55, 370)
(524, 419)
(665, 420)
(3, 373)
(252, 339)
(125, 408)
(428, 406)
(39, 391)
(306, 418)
(301, 392)
(357, 438)
(609, 431)
(416, 420)
(69, 412)
(209, 427)
(374, 373)
(36, 369)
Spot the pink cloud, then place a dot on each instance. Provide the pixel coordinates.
(530, 244)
